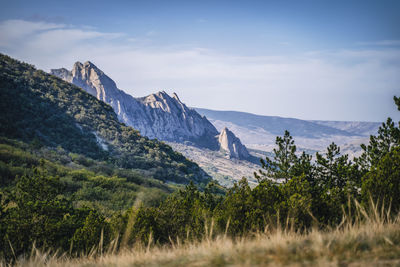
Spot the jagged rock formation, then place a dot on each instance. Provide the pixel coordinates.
(156, 116)
(170, 119)
(97, 83)
(232, 145)
(63, 73)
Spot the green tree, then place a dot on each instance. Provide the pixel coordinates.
(39, 215)
(382, 182)
(333, 168)
(94, 231)
(283, 162)
(397, 102)
(388, 137)
(236, 208)
(297, 201)
(380, 163)
(265, 200)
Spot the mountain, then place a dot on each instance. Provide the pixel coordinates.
(166, 118)
(259, 132)
(155, 116)
(171, 120)
(40, 108)
(354, 127)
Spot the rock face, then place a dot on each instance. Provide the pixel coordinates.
(63, 74)
(171, 120)
(156, 116)
(231, 144)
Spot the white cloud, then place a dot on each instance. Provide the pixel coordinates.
(42, 35)
(13, 31)
(343, 85)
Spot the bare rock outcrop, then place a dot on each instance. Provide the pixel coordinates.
(231, 144)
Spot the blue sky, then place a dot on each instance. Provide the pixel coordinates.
(330, 60)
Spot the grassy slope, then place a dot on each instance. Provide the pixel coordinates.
(87, 182)
(373, 242)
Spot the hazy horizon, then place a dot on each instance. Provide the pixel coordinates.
(307, 60)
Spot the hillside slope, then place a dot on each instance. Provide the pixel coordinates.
(38, 107)
(354, 127)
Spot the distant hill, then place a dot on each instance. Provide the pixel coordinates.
(259, 132)
(41, 108)
(353, 127)
(303, 128)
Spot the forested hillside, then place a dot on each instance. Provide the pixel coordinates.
(40, 108)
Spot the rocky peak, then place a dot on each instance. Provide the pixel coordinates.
(177, 122)
(175, 96)
(160, 96)
(89, 64)
(160, 100)
(167, 103)
(156, 116)
(78, 66)
(230, 143)
(62, 73)
(91, 79)
(97, 83)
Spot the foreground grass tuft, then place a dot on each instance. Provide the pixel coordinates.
(373, 241)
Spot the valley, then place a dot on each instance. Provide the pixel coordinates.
(218, 165)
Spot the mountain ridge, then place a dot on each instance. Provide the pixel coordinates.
(157, 115)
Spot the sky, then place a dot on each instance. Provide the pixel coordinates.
(322, 60)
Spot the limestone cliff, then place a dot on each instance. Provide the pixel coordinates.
(156, 116)
(232, 145)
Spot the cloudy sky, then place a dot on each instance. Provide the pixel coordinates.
(329, 60)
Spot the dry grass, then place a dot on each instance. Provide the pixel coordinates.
(371, 240)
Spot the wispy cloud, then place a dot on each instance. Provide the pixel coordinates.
(345, 84)
(381, 43)
(201, 20)
(17, 33)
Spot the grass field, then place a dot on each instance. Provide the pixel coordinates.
(371, 240)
